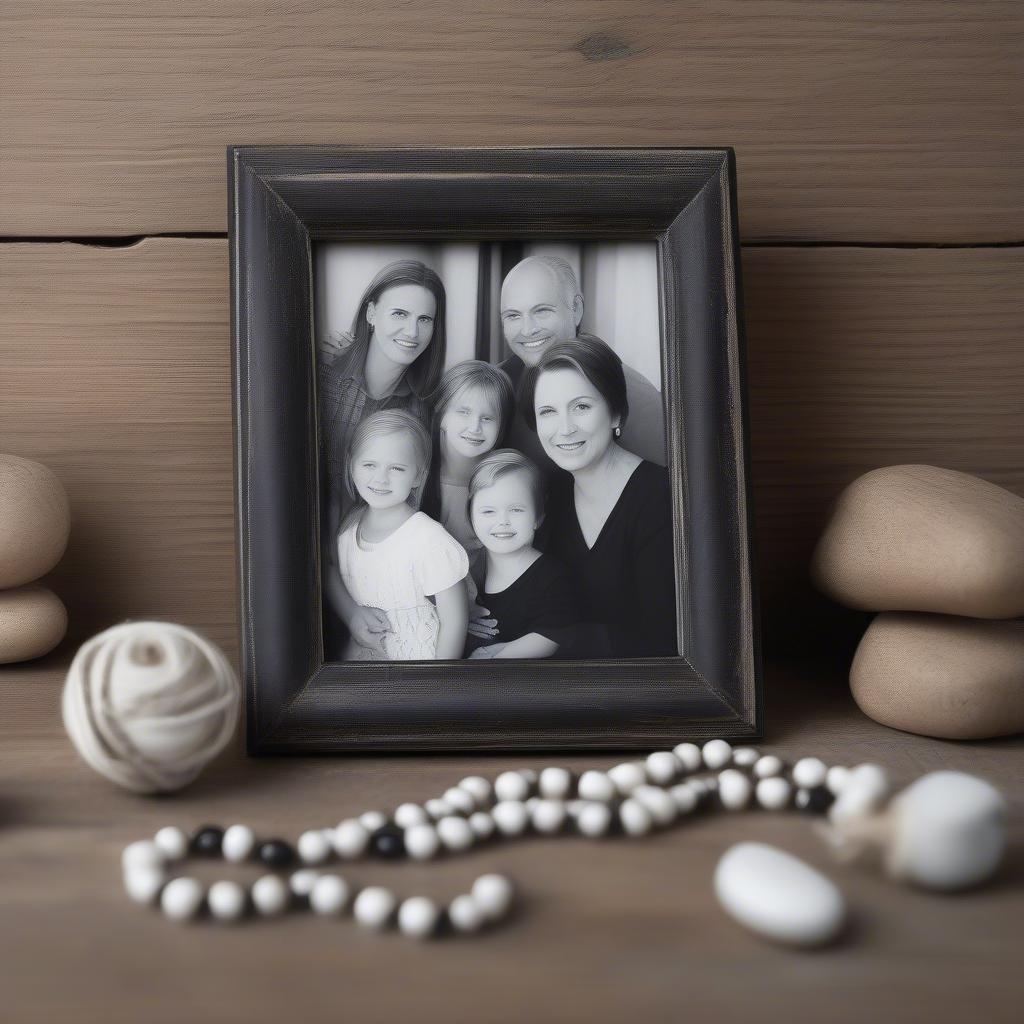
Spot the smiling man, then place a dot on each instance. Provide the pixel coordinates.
(541, 305)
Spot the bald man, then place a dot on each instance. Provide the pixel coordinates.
(541, 305)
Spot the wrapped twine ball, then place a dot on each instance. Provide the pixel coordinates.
(148, 704)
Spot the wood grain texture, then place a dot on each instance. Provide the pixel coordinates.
(607, 932)
(852, 120)
(116, 375)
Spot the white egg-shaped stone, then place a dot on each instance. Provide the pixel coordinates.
(482, 824)
(689, 756)
(226, 900)
(455, 833)
(417, 917)
(465, 914)
(734, 789)
(662, 767)
(313, 847)
(407, 815)
(809, 773)
(329, 895)
(595, 785)
(172, 841)
(511, 786)
(626, 777)
(270, 896)
(374, 907)
(238, 843)
(778, 896)
(422, 842)
(493, 894)
(594, 819)
(716, 754)
(555, 783)
(182, 898)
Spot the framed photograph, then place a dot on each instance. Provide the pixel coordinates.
(491, 449)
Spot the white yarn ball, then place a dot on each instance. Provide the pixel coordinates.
(148, 704)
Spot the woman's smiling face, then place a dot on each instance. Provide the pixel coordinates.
(471, 423)
(403, 322)
(574, 422)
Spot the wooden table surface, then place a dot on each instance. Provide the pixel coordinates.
(880, 179)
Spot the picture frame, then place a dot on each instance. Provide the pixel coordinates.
(283, 201)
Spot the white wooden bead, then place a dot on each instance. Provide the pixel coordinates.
(462, 801)
(636, 819)
(511, 786)
(301, 882)
(270, 896)
(594, 820)
(716, 754)
(864, 791)
(767, 766)
(548, 816)
(373, 907)
(181, 898)
(809, 773)
(745, 757)
(143, 885)
(438, 809)
(478, 788)
(685, 797)
(530, 803)
(661, 806)
(313, 847)
(594, 785)
(465, 914)
(455, 833)
(734, 789)
(417, 917)
(555, 783)
(627, 777)
(493, 894)
(407, 815)
(510, 816)
(372, 820)
(422, 842)
(172, 841)
(238, 843)
(142, 854)
(662, 767)
(350, 839)
(482, 824)
(774, 793)
(689, 756)
(226, 900)
(836, 778)
(329, 895)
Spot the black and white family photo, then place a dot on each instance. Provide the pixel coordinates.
(492, 452)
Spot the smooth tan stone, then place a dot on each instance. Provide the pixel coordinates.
(35, 521)
(33, 621)
(938, 675)
(919, 538)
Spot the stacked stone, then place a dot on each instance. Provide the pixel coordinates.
(35, 522)
(940, 555)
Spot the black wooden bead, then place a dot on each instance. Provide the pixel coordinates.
(275, 853)
(814, 801)
(206, 842)
(388, 841)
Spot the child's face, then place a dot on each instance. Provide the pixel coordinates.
(471, 423)
(504, 515)
(385, 470)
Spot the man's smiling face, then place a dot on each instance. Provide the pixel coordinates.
(535, 312)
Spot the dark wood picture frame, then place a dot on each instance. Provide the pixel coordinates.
(282, 201)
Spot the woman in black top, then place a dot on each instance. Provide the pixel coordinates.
(610, 518)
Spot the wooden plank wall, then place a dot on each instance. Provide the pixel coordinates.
(880, 180)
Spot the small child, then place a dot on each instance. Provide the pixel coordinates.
(529, 593)
(394, 558)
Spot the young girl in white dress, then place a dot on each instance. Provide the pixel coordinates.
(394, 558)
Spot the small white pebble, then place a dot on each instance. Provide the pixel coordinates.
(685, 797)
(144, 884)
(350, 839)
(329, 895)
(438, 809)
(734, 789)
(372, 820)
(510, 816)
(417, 917)
(172, 841)
(773, 793)
(809, 773)
(661, 806)
(745, 757)
(627, 777)
(594, 785)
(767, 766)
(407, 815)
(462, 801)
(555, 783)
(455, 833)
(238, 843)
(301, 882)
(662, 767)
(689, 756)
(836, 778)
(548, 816)
(270, 896)
(465, 914)
(511, 786)
(226, 900)
(422, 842)
(479, 789)
(373, 907)
(493, 894)
(181, 898)
(636, 819)
(482, 824)
(594, 820)
(142, 854)
(716, 754)
(313, 847)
